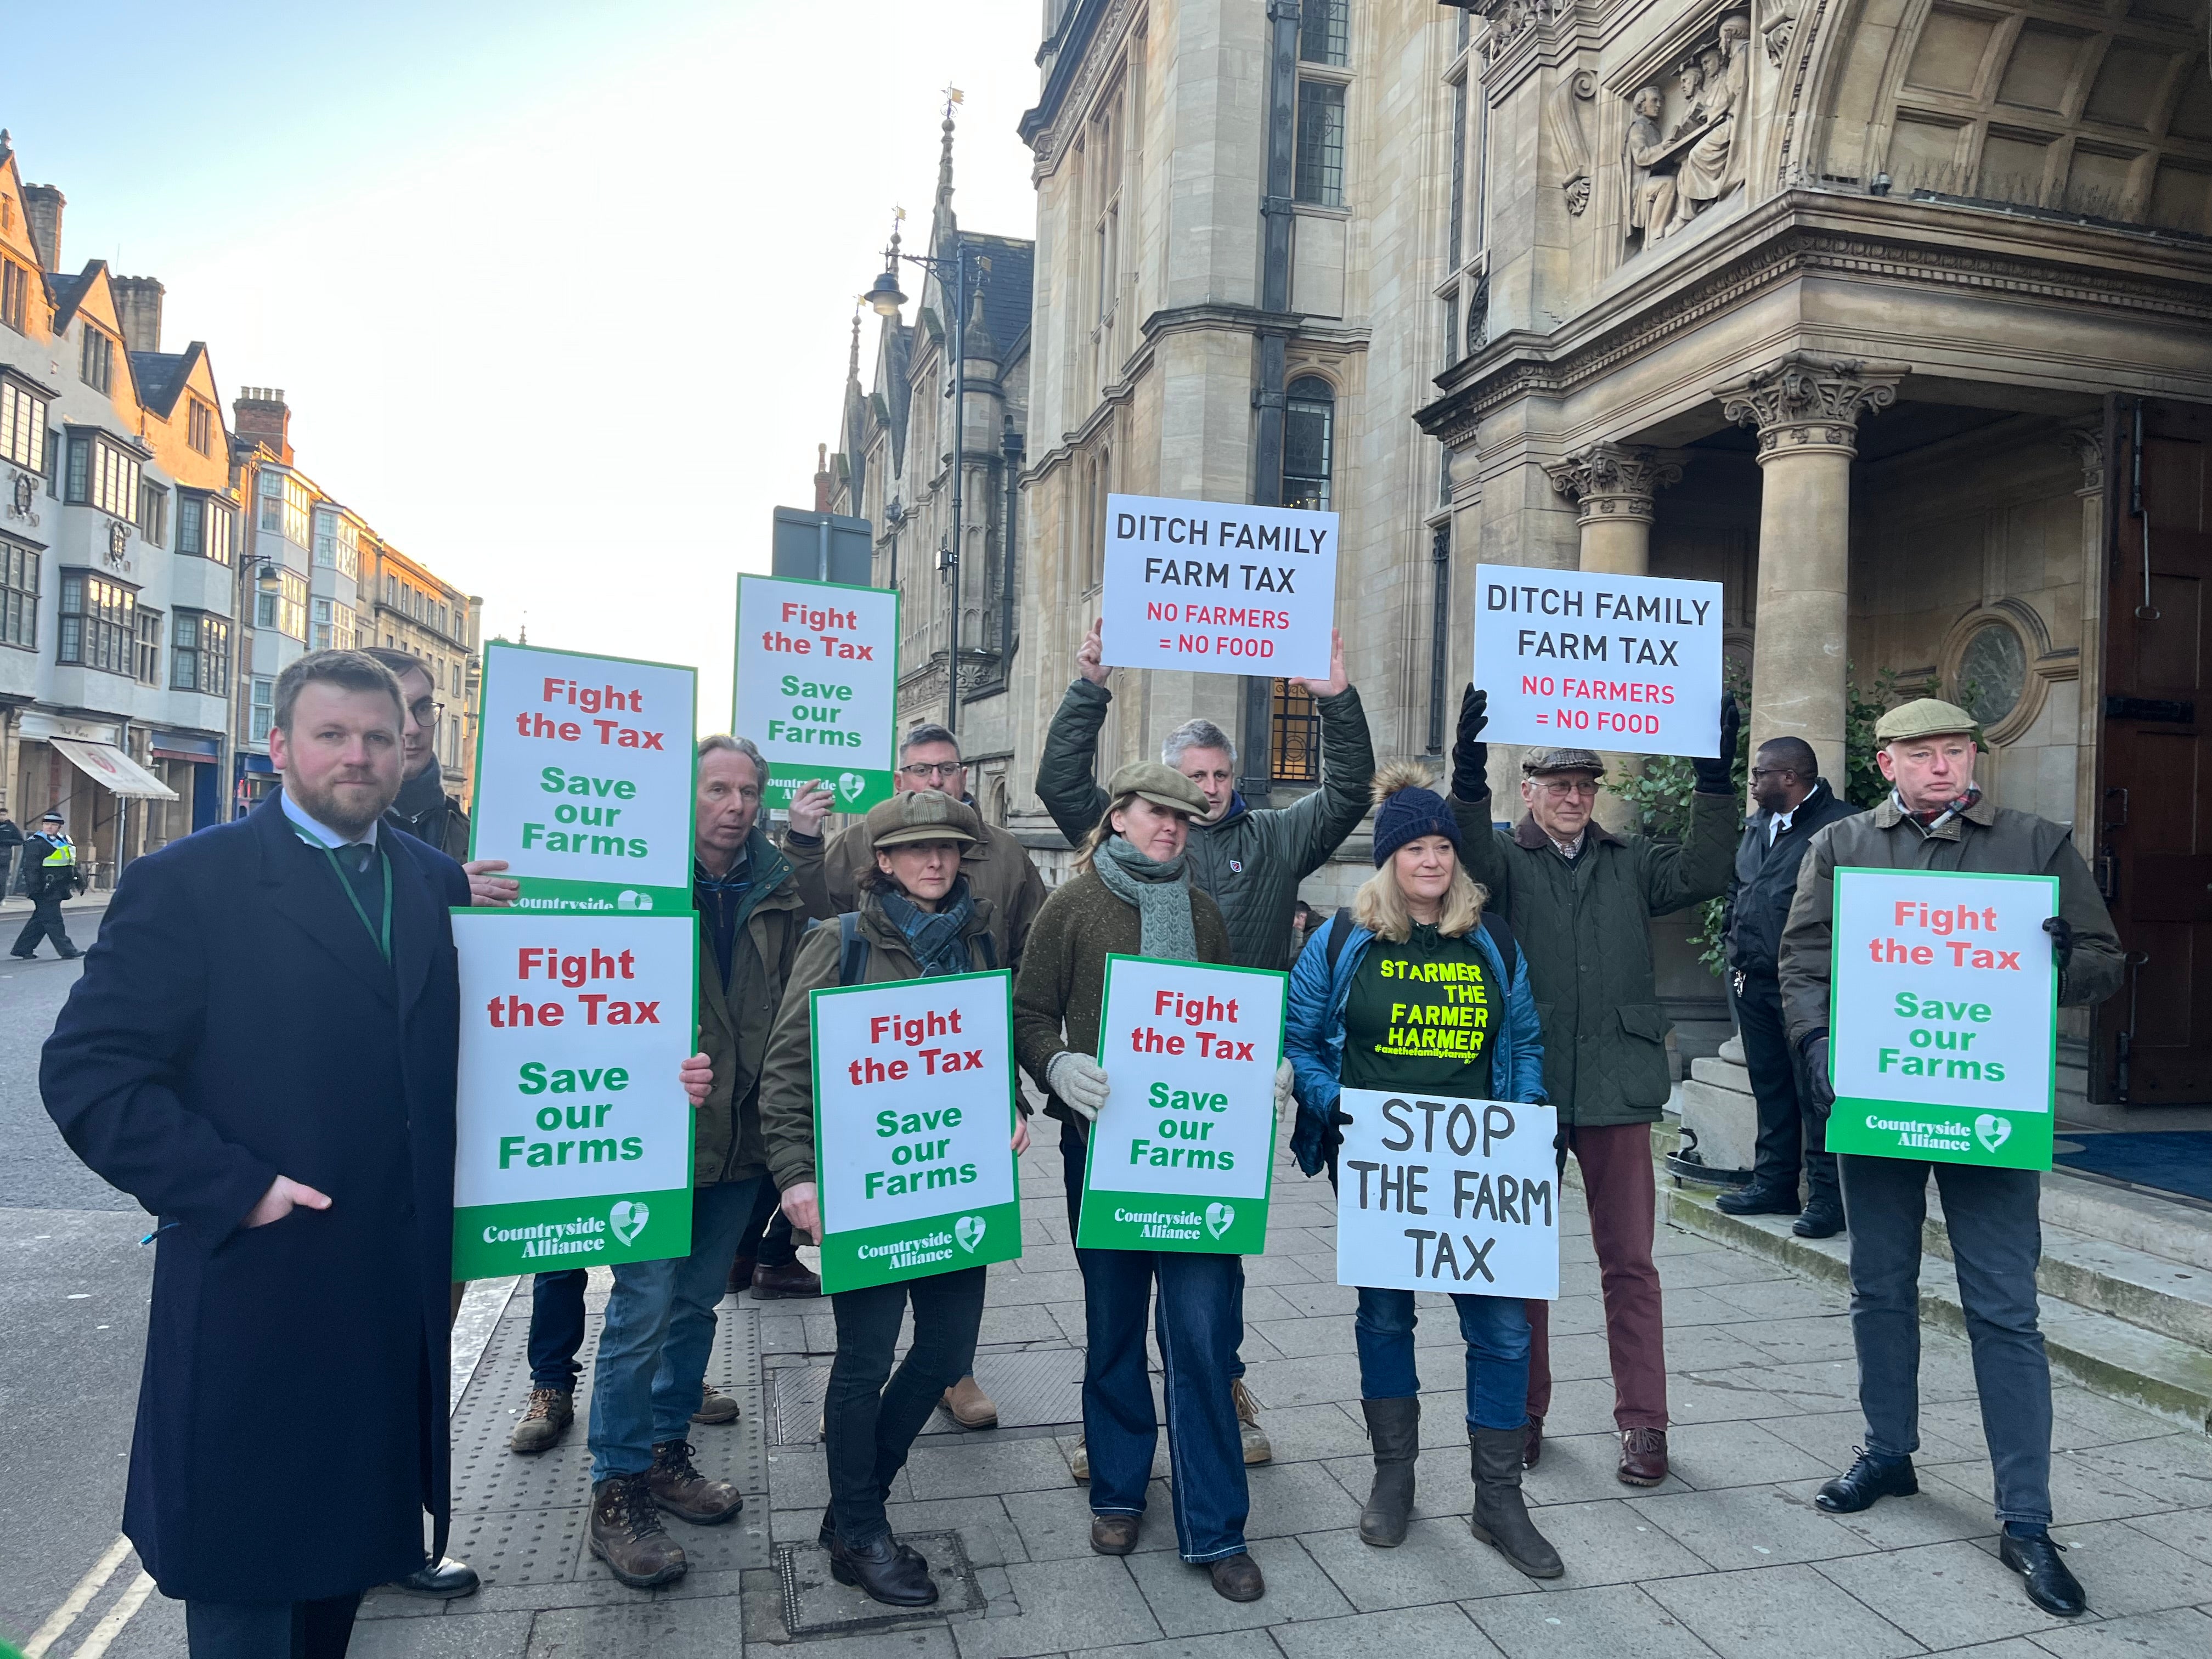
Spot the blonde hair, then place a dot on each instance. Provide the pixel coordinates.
(1380, 907)
(1101, 832)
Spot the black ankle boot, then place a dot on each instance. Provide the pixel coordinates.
(889, 1574)
(1394, 1426)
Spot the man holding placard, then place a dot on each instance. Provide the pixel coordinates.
(1924, 1004)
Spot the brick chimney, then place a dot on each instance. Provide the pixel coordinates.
(42, 206)
(259, 415)
(138, 306)
(822, 479)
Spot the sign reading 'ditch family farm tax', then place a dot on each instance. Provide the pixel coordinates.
(913, 1127)
(584, 778)
(575, 1142)
(1447, 1196)
(1219, 587)
(1577, 659)
(1181, 1152)
(818, 686)
(1943, 1017)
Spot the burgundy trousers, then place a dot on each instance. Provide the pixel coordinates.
(1617, 1181)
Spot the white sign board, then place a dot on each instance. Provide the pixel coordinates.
(1218, 587)
(1448, 1195)
(816, 686)
(1577, 659)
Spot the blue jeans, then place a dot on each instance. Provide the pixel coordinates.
(1996, 1239)
(1496, 1330)
(661, 1324)
(557, 1328)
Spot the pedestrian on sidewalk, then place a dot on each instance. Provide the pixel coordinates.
(1936, 818)
(1581, 899)
(1133, 894)
(51, 874)
(917, 918)
(1794, 803)
(11, 848)
(651, 1367)
(1415, 939)
(302, 1256)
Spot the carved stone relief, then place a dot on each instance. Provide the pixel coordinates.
(1568, 142)
(1683, 152)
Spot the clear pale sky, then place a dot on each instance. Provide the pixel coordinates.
(560, 293)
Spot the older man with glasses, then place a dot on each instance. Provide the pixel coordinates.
(1581, 900)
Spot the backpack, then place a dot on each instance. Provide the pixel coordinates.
(1501, 935)
(853, 950)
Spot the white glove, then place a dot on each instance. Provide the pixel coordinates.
(1079, 1080)
(1286, 1102)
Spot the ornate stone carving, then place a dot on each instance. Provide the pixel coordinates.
(1776, 27)
(1682, 153)
(1611, 480)
(1805, 400)
(2088, 443)
(118, 543)
(1565, 125)
(1510, 20)
(21, 495)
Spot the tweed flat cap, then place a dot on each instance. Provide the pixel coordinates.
(1162, 786)
(923, 814)
(1923, 717)
(1538, 762)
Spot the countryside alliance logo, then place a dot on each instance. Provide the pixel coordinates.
(968, 1232)
(627, 1219)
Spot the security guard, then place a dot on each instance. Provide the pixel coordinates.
(50, 875)
(1936, 819)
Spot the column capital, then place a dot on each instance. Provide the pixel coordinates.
(1806, 403)
(1611, 481)
(2087, 445)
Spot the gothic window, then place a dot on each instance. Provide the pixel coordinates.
(1319, 174)
(1458, 169)
(1324, 32)
(1295, 738)
(1308, 443)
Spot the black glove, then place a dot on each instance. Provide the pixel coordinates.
(1717, 777)
(1818, 1084)
(1470, 755)
(2062, 946)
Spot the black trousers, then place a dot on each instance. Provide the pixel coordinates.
(768, 1238)
(273, 1630)
(46, 922)
(1789, 1135)
(872, 1414)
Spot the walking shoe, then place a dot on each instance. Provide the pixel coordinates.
(1501, 1518)
(1867, 1482)
(627, 1535)
(715, 1407)
(545, 1418)
(445, 1579)
(1257, 1448)
(1531, 1448)
(1112, 1535)
(1394, 1427)
(1237, 1579)
(2051, 1585)
(684, 1492)
(773, 1284)
(894, 1576)
(1078, 1460)
(970, 1407)
(1643, 1456)
(741, 1276)
(1759, 1198)
(1820, 1220)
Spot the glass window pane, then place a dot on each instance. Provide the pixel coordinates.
(1324, 31)
(1320, 160)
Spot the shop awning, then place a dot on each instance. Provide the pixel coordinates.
(112, 769)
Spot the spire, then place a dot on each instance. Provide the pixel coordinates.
(944, 220)
(853, 357)
(977, 343)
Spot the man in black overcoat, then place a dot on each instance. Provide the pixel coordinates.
(262, 1051)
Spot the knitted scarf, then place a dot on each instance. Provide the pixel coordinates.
(934, 937)
(1161, 894)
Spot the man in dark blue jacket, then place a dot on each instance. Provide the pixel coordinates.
(261, 1050)
(1795, 802)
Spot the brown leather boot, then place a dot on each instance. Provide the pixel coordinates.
(1643, 1456)
(627, 1533)
(684, 1492)
(741, 1276)
(970, 1407)
(771, 1284)
(715, 1407)
(545, 1419)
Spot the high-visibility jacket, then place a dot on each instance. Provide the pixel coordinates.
(54, 854)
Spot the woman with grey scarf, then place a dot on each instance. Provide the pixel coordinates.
(1131, 896)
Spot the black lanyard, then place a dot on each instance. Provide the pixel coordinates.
(383, 937)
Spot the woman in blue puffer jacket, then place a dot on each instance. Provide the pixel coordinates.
(1414, 942)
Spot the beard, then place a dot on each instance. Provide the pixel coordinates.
(348, 803)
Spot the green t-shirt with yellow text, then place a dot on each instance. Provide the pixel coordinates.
(1418, 1017)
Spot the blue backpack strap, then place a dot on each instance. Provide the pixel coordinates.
(852, 949)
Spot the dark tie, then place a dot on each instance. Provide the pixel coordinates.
(358, 860)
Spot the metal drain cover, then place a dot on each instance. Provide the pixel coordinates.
(816, 1604)
(1039, 1389)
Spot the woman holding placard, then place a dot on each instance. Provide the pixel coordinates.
(917, 921)
(1379, 1000)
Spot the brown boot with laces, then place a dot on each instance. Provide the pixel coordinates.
(545, 1418)
(627, 1533)
(684, 1492)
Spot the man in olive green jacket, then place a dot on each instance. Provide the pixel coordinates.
(1581, 901)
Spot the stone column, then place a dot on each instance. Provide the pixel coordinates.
(2087, 445)
(1807, 410)
(1612, 486)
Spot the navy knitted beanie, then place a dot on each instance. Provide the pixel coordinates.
(1407, 809)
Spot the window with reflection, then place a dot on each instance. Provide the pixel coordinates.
(1308, 442)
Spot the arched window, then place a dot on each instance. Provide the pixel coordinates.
(1308, 443)
(1477, 317)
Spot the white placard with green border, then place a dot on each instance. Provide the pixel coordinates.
(585, 779)
(1182, 1153)
(1447, 1196)
(816, 686)
(1943, 1017)
(575, 1134)
(913, 1127)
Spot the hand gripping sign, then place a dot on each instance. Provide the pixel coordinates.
(1219, 587)
(914, 1124)
(1943, 1021)
(1182, 1152)
(573, 1136)
(1447, 1196)
(816, 686)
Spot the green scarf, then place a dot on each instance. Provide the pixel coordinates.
(1161, 894)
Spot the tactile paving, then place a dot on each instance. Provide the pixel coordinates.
(816, 1604)
(1036, 1389)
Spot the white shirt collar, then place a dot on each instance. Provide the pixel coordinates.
(322, 832)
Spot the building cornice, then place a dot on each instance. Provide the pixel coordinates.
(1076, 71)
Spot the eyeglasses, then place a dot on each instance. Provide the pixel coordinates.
(425, 712)
(1562, 788)
(931, 772)
(1759, 772)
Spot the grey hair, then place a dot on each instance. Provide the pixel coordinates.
(1195, 734)
(927, 732)
(723, 742)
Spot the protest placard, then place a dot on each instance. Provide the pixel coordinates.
(574, 1136)
(1579, 658)
(1943, 1017)
(1447, 1196)
(816, 686)
(584, 778)
(1218, 586)
(1182, 1152)
(914, 1124)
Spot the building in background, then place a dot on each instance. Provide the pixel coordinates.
(406, 607)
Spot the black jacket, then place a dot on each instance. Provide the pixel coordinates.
(1765, 879)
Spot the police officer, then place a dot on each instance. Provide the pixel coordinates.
(1936, 819)
(51, 875)
(1795, 802)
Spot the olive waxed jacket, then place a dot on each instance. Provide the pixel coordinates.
(735, 1019)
